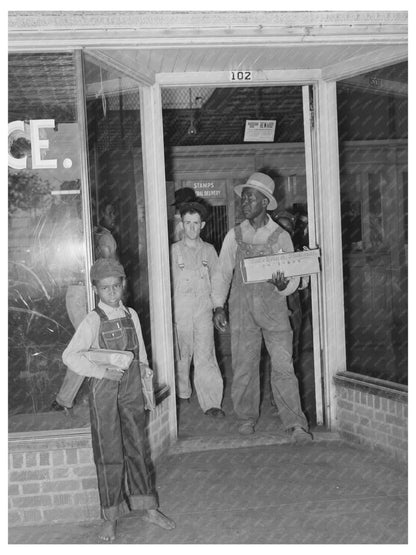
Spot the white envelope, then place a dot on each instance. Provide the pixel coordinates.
(121, 359)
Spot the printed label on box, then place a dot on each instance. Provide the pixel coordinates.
(261, 268)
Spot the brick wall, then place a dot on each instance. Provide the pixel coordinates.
(159, 426)
(52, 476)
(373, 412)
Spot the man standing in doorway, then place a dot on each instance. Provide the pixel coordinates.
(258, 310)
(193, 261)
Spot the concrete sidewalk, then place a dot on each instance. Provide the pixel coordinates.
(326, 492)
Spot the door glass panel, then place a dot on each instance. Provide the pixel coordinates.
(372, 116)
(116, 177)
(215, 138)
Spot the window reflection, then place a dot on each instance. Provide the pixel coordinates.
(372, 116)
(116, 176)
(46, 235)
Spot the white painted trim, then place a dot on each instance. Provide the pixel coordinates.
(158, 20)
(222, 78)
(310, 190)
(158, 243)
(76, 38)
(153, 29)
(328, 218)
(85, 181)
(36, 44)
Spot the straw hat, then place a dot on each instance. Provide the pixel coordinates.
(262, 183)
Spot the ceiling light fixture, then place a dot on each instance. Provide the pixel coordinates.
(192, 129)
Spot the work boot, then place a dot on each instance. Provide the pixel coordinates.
(246, 428)
(55, 406)
(300, 435)
(215, 412)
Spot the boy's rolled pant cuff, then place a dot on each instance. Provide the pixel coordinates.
(143, 502)
(136, 502)
(115, 512)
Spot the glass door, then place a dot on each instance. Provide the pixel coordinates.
(215, 138)
(116, 178)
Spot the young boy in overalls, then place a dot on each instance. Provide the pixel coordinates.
(116, 402)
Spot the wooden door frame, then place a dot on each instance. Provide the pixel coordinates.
(323, 186)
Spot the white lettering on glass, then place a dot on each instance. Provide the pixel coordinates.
(17, 163)
(37, 144)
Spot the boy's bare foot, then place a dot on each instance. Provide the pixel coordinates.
(108, 530)
(156, 517)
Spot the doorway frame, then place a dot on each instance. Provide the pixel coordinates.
(324, 187)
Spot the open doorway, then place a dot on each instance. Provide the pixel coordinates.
(215, 138)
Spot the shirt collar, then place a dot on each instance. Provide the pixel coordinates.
(198, 241)
(270, 225)
(109, 310)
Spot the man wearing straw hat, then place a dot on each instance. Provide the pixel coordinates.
(258, 310)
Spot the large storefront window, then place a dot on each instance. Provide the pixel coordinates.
(55, 220)
(372, 116)
(47, 248)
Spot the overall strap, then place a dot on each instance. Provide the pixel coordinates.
(176, 246)
(238, 234)
(274, 237)
(128, 313)
(180, 259)
(205, 255)
(244, 250)
(102, 315)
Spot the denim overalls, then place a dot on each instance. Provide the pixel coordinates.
(118, 428)
(195, 331)
(256, 310)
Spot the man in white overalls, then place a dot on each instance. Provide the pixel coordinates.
(258, 310)
(193, 261)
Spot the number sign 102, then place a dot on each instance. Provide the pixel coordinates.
(241, 75)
